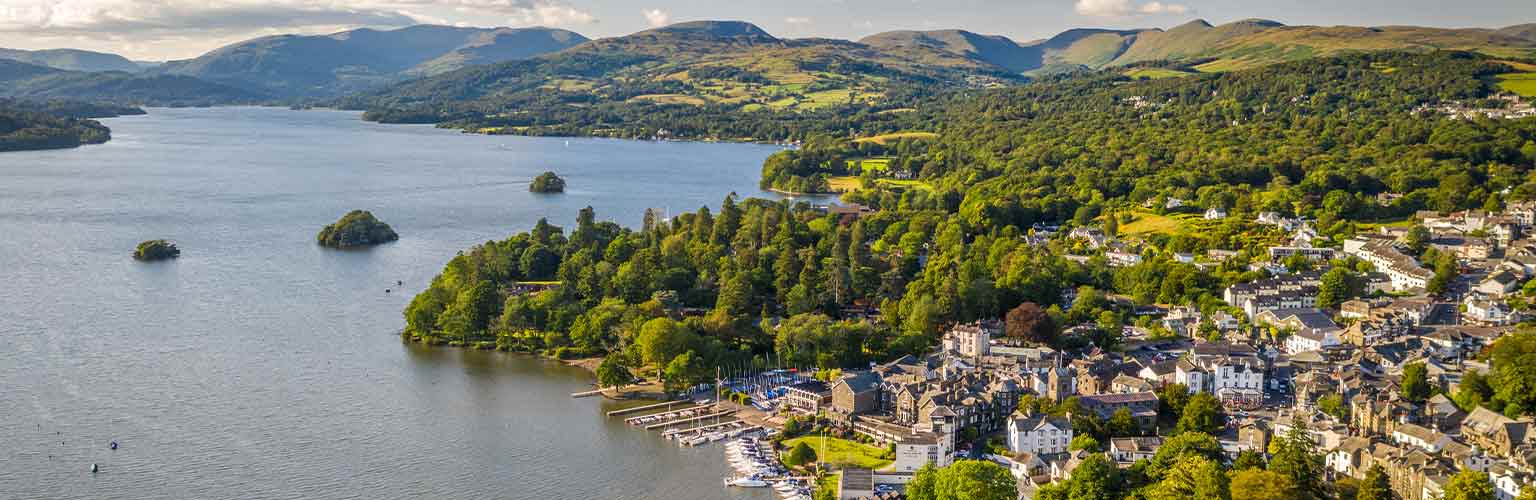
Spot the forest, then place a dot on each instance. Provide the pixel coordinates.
(779, 283)
(28, 125)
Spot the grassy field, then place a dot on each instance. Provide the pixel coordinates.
(843, 452)
(871, 164)
(850, 183)
(1519, 83)
(1155, 73)
(1150, 223)
(883, 139)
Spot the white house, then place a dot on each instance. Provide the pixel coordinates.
(1215, 213)
(1420, 437)
(1487, 310)
(1038, 434)
(1311, 339)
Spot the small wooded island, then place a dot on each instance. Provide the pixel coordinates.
(356, 229)
(154, 250)
(547, 182)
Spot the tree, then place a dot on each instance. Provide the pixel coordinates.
(1083, 442)
(800, 454)
(662, 339)
(1028, 322)
(1183, 445)
(975, 480)
(1376, 485)
(1334, 288)
(1295, 456)
(1446, 271)
(1513, 375)
(1202, 414)
(612, 373)
(1469, 485)
(684, 371)
(1248, 459)
(547, 182)
(1123, 423)
(1171, 400)
(1415, 382)
(1192, 477)
(1417, 239)
(1093, 479)
(1260, 484)
(1333, 404)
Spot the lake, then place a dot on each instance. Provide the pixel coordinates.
(261, 366)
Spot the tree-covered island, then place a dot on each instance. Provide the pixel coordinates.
(153, 250)
(547, 182)
(358, 228)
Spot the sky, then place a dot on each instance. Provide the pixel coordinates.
(155, 30)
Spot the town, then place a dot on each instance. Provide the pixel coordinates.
(1367, 376)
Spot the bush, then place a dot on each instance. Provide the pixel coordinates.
(800, 455)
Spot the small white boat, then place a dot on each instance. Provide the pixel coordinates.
(746, 482)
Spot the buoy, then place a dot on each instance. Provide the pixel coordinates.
(399, 282)
(386, 290)
(114, 445)
(94, 468)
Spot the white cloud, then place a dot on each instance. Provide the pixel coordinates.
(797, 20)
(182, 17)
(657, 18)
(1124, 8)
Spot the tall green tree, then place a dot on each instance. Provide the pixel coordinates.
(1375, 486)
(1469, 485)
(1201, 414)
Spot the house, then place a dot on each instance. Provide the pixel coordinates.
(1283, 292)
(855, 394)
(1496, 433)
(1420, 437)
(1215, 213)
(1142, 406)
(1300, 318)
(1038, 434)
(1499, 284)
(1404, 271)
(1488, 310)
(971, 340)
(1128, 450)
(923, 448)
(1119, 258)
(1311, 339)
(809, 396)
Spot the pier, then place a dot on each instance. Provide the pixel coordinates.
(670, 423)
(674, 432)
(665, 405)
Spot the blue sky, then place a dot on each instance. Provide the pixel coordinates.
(168, 29)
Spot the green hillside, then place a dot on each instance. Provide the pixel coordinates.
(665, 78)
(29, 81)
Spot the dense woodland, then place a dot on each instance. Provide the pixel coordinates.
(776, 283)
(52, 125)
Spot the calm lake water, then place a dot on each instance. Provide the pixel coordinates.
(260, 366)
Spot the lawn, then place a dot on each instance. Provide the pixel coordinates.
(843, 452)
(1150, 223)
(1519, 83)
(871, 164)
(882, 139)
(850, 183)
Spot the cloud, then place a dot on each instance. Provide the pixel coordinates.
(657, 18)
(797, 20)
(1124, 8)
(183, 18)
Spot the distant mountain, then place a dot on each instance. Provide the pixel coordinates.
(330, 65)
(71, 59)
(30, 81)
(1523, 31)
(500, 45)
(1072, 48)
(723, 65)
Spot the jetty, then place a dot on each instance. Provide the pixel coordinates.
(686, 420)
(665, 405)
(702, 428)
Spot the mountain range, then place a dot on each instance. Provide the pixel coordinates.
(331, 65)
(701, 63)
